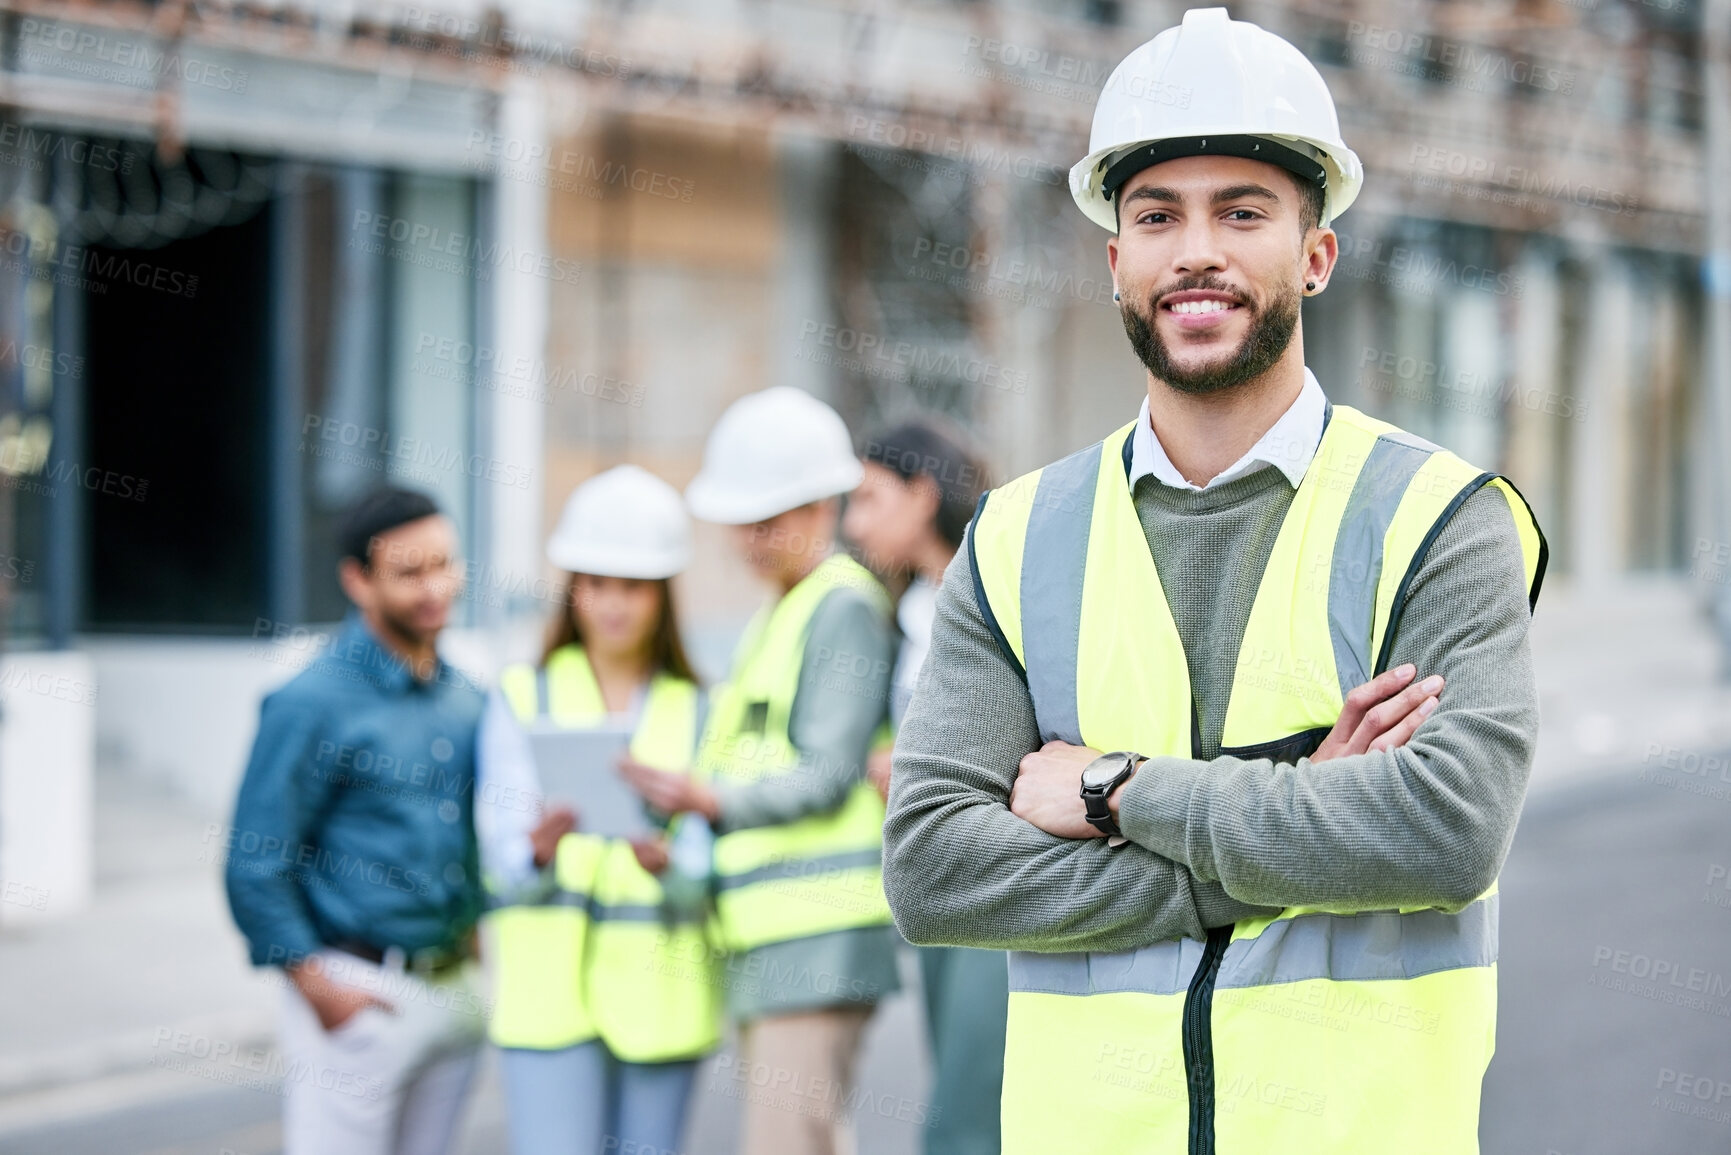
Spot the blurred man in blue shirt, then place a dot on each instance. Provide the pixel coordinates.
(352, 862)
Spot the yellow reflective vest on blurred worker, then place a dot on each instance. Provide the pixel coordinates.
(603, 955)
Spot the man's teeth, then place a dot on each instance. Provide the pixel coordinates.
(1200, 307)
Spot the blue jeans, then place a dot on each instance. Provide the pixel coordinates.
(583, 1101)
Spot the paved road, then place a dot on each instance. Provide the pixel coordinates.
(1603, 891)
(1606, 888)
(164, 1112)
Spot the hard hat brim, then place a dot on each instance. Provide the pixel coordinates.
(722, 505)
(1344, 172)
(603, 561)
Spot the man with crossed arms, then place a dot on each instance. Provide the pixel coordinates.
(1227, 719)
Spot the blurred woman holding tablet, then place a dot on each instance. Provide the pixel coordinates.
(603, 997)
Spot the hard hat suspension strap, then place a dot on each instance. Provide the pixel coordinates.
(1284, 154)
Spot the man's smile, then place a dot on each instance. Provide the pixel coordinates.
(1199, 309)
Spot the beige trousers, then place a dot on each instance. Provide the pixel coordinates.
(794, 1077)
(381, 1084)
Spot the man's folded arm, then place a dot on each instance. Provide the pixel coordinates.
(961, 869)
(1427, 824)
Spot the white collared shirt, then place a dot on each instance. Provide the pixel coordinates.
(1289, 445)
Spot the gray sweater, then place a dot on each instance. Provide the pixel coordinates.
(1218, 840)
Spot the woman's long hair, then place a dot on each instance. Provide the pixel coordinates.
(666, 647)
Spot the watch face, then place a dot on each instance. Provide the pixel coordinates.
(1102, 770)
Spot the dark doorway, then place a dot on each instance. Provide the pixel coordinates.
(176, 346)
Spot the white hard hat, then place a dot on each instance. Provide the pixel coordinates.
(1214, 86)
(771, 452)
(623, 523)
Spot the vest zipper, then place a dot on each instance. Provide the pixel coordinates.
(1199, 1042)
(1198, 1028)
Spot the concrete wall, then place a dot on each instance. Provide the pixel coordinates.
(48, 710)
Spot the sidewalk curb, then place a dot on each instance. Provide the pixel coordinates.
(122, 1053)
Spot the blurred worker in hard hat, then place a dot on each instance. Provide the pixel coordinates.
(353, 861)
(908, 516)
(798, 854)
(603, 997)
(1227, 717)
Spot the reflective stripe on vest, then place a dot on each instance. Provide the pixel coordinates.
(819, 874)
(1310, 1032)
(603, 956)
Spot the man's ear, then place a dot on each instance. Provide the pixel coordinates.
(931, 495)
(1322, 251)
(357, 584)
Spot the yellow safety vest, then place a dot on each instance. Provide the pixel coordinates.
(1310, 1033)
(604, 956)
(819, 874)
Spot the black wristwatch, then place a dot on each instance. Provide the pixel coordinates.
(1099, 778)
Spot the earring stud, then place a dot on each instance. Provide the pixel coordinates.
(1115, 295)
(1311, 285)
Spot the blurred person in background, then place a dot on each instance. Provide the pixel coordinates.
(1228, 717)
(603, 997)
(798, 853)
(908, 516)
(354, 866)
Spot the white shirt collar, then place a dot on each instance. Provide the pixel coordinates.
(1289, 445)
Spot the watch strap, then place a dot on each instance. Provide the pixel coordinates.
(1095, 804)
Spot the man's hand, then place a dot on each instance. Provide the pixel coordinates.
(651, 853)
(878, 771)
(1048, 790)
(554, 825)
(333, 1002)
(670, 793)
(1382, 714)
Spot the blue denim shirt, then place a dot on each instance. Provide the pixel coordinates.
(355, 818)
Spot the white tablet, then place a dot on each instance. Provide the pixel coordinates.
(579, 768)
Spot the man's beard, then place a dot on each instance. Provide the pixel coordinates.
(1270, 333)
(403, 626)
